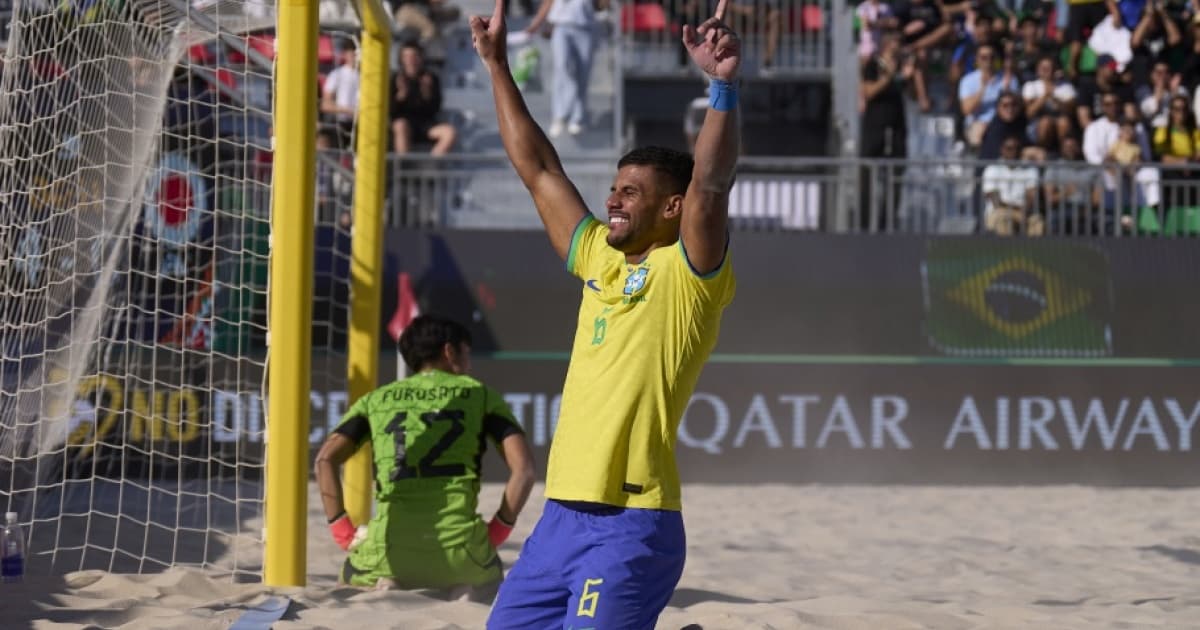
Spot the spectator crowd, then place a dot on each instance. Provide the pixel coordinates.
(1038, 85)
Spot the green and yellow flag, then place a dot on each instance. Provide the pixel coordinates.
(1017, 298)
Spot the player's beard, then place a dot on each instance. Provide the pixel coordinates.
(620, 239)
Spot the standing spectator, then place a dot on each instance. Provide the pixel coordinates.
(1073, 191)
(884, 131)
(923, 26)
(872, 16)
(1155, 38)
(980, 89)
(1155, 98)
(1049, 104)
(340, 95)
(1177, 144)
(1082, 15)
(922, 23)
(572, 42)
(1110, 37)
(1107, 81)
(416, 105)
(1010, 189)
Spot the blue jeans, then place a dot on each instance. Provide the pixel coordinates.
(572, 47)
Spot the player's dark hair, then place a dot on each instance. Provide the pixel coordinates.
(675, 165)
(422, 341)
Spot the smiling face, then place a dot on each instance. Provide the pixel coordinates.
(642, 211)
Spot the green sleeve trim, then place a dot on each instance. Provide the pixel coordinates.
(583, 224)
(714, 272)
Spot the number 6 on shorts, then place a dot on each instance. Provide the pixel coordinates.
(588, 600)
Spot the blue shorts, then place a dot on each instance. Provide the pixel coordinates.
(588, 565)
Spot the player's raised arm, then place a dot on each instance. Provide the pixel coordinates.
(558, 202)
(716, 50)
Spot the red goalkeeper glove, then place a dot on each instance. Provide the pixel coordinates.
(498, 530)
(342, 530)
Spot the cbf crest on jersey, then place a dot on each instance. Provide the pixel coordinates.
(636, 280)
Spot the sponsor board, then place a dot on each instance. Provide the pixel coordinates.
(768, 423)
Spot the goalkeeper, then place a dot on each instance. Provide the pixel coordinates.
(427, 437)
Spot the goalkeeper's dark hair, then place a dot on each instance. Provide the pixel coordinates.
(675, 165)
(423, 339)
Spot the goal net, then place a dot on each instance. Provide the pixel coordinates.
(135, 200)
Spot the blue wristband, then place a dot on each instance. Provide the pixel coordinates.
(722, 95)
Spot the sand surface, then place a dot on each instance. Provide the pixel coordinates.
(767, 557)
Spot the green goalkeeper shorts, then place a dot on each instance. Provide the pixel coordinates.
(473, 563)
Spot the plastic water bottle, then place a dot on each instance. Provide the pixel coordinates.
(526, 68)
(12, 550)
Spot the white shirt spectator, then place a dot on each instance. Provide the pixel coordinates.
(1063, 92)
(1009, 182)
(1098, 138)
(1111, 38)
(343, 84)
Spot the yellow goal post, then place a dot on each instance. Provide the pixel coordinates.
(293, 197)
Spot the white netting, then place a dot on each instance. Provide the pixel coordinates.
(135, 173)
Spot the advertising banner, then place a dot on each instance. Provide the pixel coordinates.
(841, 360)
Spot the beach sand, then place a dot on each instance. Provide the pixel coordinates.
(770, 556)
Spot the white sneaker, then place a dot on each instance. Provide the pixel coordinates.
(574, 129)
(556, 129)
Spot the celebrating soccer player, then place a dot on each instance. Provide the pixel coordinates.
(427, 436)
(655, 278)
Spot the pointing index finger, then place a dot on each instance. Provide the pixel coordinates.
(498, 11)
(720, 12)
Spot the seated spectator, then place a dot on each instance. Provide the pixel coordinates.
(1073, 192)
(1098, 139)
(1028, 48)
(873, 15)
(339, 100)
(416, 105)
(1010, 189)
(1155, 98)
(1049, 103)
(1155, 38)
(1092, 92)
(1009, 122)
(426, 17)
(963, 61)
(1082, 16)
(1125, 152)
(1191, 65)
(980, 89)
(1177, 144)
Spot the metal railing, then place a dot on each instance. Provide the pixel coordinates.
(783, 37)
(950, 196)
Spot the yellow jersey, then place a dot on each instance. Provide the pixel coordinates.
(644, 332)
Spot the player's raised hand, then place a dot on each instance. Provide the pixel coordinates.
(715, 48)
(489, 34)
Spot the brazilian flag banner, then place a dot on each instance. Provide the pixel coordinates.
(1017, 298)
